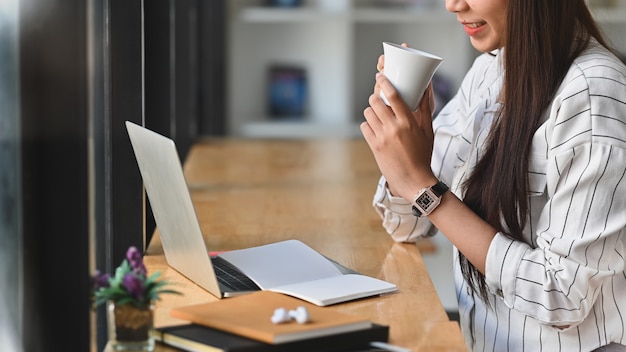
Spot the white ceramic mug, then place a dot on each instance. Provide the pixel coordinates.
(409, 70)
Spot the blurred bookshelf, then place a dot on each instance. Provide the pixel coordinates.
(337, 43)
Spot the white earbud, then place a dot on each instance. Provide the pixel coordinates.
(301, 315)
(280, 316)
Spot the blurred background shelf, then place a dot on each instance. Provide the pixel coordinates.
(264, 14)
(337, 43)
(395, 15)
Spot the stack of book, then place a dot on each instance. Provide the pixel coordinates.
(243, 324)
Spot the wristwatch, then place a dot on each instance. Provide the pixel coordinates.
(426, 200)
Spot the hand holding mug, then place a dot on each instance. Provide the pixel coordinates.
(409, 71)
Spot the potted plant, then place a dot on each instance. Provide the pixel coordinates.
(130, 295)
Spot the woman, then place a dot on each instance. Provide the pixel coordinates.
(533, 148)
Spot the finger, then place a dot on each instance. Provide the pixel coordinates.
(381, 110)
(372, 118)
(367, 131)
(377, 90)
(423, 114)
(431, 97)
(396, 102)
(427, 104)
(376, 86)
(380, 65)
(383, 84)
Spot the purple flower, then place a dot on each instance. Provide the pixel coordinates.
(101, 280)
(136, 261)
(134, 285)
(129, 284)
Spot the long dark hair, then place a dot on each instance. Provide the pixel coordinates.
(543, 37)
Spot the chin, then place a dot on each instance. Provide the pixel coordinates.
(484, 46)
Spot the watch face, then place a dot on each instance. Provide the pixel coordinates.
(428, 199)
(425, 201)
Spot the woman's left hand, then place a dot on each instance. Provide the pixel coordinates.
(401, 140)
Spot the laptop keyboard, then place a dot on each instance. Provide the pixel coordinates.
(230, 277)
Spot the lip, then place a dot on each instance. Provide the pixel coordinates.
(473, 28)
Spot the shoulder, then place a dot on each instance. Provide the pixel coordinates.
(590, 103)
(596, 58)
(599, 70)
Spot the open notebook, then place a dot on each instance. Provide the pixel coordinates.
(290, 267)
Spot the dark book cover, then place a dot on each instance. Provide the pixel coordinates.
(287, 91)
(198, 338)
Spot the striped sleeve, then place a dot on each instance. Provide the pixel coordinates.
(578, 232)
(397, 218)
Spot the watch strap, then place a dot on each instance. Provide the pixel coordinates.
(439, 189)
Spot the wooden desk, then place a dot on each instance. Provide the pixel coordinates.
(252, 192)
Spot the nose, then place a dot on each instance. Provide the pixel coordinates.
(456, 5)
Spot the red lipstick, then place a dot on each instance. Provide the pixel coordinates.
(473, 28)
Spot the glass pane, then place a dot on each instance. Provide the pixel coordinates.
(9, 177)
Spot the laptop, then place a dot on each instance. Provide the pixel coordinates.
(239, 271)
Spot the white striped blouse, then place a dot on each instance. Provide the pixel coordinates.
(564, 287)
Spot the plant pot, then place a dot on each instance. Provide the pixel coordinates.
(130, 327)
